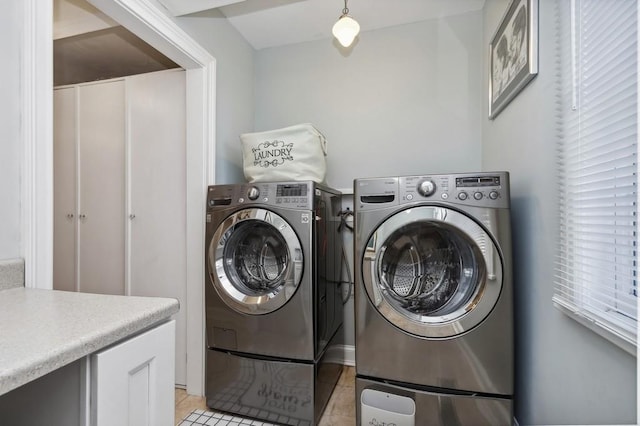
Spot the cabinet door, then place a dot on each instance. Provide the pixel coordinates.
(157, 171)
(132, 382)
(64, 189)
(101, 214)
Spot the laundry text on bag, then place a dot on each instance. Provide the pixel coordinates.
(272, 153)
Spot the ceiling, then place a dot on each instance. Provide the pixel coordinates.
(271, 23)
(87, 41)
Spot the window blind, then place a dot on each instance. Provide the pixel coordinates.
(596, 278)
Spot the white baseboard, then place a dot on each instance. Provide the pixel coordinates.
(349, 355)
(342, 354)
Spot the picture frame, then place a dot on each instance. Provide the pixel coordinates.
(513, 54)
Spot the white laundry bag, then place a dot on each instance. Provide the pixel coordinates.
(292, 153)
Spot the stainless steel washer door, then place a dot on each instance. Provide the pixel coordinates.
(255, 261)
(432, 272)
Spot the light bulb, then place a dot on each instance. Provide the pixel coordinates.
(345, 30)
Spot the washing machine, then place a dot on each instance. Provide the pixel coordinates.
(434, 299)
(273, 303)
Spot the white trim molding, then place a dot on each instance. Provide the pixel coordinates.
(37, 146)
(145, 19)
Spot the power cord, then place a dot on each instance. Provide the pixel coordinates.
(344, 215)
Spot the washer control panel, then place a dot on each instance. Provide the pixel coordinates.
(478, 189)
(485, 189)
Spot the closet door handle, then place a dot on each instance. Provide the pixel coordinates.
(82, 216)
(69, 215)
(132, 216)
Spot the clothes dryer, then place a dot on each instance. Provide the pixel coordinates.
(273, 299)
(434, 309)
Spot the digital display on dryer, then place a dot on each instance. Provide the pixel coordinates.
(291, 190)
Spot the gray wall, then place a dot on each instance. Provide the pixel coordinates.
(565, 373)
(10, 149)
(234, 87)
(404, 100)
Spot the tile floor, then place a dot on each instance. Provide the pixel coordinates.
(340, 410)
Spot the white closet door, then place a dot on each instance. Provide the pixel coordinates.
(64, 193)
(101, 187)
(157, 206)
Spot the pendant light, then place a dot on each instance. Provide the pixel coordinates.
(346, 29)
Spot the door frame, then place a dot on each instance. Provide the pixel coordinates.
(150, 23)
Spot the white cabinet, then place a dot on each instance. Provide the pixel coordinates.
(101, 188)
(120, 190)
(132, 382)
(157, 262)
(89, 182)
(64, 189)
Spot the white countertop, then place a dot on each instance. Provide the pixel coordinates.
(43, 330)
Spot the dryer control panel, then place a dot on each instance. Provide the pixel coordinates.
(295, 195)
(301, 195)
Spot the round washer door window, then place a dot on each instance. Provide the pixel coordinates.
(432, 272)
(255, 261)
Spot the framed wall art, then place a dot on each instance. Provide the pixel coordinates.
(513, 54)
